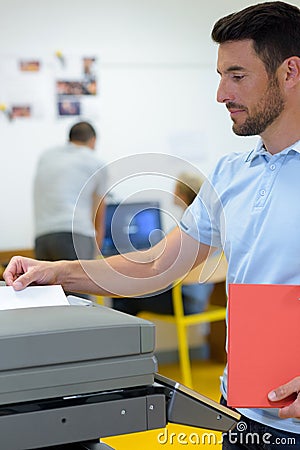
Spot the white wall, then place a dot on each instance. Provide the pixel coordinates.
(157, 88)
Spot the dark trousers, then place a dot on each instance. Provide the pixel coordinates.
(251, 435)
(65, 245)
(158, 303)
(194, 301)
(161, 303)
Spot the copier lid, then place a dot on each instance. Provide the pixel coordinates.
(60, 334)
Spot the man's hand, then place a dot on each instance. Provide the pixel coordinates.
(284, 391)
(21, 272)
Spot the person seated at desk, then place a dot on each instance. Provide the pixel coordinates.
(195, 296)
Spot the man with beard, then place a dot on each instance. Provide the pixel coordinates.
(247, 207)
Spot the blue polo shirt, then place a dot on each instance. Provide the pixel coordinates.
(249, 206)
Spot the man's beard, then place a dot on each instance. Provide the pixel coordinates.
(267, 110)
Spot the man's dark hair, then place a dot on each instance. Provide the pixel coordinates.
(81, 132)
(274, 28)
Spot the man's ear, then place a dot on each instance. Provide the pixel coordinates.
(92, 143)
(292, 70)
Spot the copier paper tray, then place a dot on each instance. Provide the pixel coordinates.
(62, 350)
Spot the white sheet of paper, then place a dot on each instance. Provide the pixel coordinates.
(32, 296)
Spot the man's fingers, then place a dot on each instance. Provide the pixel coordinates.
(18, 285)
(17, 274)
(292, 410)
(285, 390)
(12, 271)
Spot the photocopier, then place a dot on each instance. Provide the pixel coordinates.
(73, 374)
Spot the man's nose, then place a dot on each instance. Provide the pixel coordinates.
(223, 93)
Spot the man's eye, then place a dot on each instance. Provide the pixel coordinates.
(238, 77)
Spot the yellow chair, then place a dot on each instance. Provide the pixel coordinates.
(99, 299)
(213, 271)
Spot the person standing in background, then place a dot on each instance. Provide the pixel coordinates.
(69, 205)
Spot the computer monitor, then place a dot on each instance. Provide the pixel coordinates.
(131, 226)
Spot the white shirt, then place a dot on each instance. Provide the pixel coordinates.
(66, 178)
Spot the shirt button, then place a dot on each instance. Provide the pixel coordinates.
(272, 167)
(262, 192)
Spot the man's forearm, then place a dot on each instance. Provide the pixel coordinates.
(131, 274)
(135, 273)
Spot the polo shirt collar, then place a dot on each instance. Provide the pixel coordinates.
(260, 150)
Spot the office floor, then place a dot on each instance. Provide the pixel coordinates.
(206, 381)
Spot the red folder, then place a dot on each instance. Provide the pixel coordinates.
(263, 342)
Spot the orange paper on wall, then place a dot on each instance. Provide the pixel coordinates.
(263, 342)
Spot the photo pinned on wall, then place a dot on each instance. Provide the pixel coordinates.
(20, 111)
(16, 111)
(69, 108)
(89, 68)
(29, 65)
(67, 87)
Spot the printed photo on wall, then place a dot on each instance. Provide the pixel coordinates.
(29, 65)
(67, 87)
(69, 108)
(89, 68)
(20, 111)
